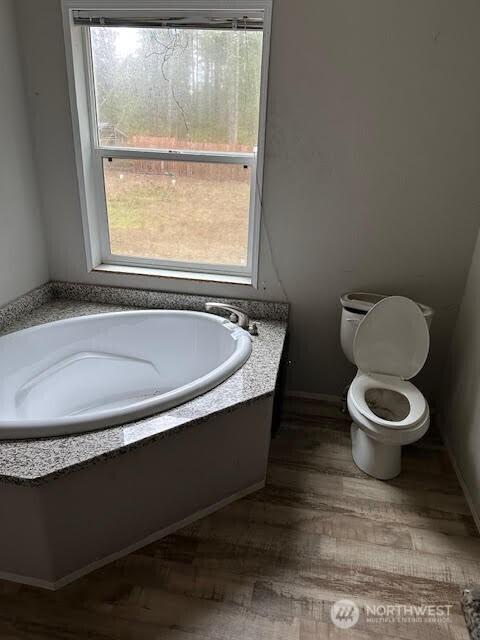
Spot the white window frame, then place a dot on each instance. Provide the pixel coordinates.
(90, 154)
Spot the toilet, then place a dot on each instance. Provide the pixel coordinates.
(389, 345)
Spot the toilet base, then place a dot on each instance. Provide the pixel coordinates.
(382, 461)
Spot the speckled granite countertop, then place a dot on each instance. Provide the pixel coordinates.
(31, 462)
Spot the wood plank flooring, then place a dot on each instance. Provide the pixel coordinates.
(270, 566)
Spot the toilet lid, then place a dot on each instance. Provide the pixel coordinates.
(393, 339)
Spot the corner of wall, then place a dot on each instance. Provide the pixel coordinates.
(459, 409)
(23, 254)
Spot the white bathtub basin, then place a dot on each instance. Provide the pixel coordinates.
(96, 371)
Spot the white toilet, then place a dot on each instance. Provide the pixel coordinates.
(389, 345)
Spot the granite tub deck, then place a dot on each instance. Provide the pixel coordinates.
(30, 462)
(72, 504)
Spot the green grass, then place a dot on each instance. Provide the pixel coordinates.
(182, 218)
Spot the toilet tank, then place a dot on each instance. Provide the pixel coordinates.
(355, 306)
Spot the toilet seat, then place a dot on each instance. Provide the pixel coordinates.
(391, 346)
(393, 339)
(364, 382)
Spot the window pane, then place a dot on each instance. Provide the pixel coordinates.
(183, 211)
(177, 88)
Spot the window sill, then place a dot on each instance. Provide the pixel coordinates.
(170, 273)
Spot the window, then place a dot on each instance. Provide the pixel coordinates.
(168, 107)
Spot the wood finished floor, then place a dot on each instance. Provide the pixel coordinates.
(270, 566)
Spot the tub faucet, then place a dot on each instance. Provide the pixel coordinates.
(236, 315)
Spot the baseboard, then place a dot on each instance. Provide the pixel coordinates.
(461, 479)
(153, 537)
(27, 580)
(324, 398)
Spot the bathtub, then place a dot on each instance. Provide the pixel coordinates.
(96, 371)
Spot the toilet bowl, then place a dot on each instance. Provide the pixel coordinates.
(390, 347)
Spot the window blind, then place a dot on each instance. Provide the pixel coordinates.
(241, 22)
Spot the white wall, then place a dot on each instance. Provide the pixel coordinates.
(23, 258)
(460, 408)
(372, 163)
